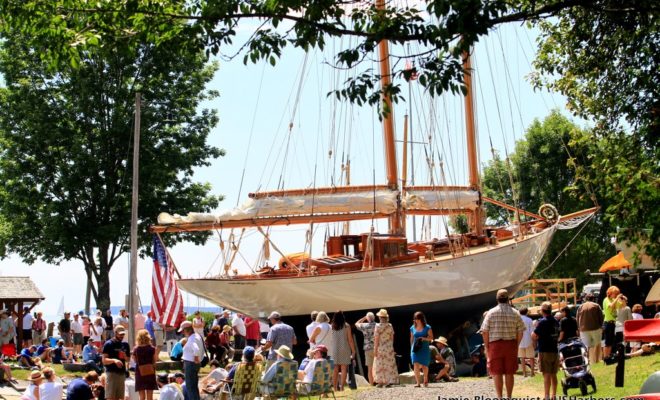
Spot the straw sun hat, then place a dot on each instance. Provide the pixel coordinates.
(36, 375)
(382, 313)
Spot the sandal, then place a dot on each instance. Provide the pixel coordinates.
(417, 385)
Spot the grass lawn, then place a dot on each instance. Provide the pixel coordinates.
(636, 371)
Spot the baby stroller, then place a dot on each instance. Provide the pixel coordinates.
(574, 359)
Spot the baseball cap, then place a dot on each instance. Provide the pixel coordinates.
(274, 315)
(248, 350)
(120, 329)
(184, 325)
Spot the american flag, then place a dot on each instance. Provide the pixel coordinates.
(166, 303)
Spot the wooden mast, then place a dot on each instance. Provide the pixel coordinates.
(388, 127)
(473, 165)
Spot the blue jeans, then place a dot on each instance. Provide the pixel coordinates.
(94, 366)
(191, 372)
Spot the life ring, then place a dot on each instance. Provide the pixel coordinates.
(549, 213)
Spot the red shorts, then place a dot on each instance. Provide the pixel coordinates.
(503, 357)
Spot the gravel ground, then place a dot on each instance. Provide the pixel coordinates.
(463, 390)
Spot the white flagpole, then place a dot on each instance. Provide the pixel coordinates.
(132, 283)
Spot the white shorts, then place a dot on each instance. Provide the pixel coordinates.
(526, 352)
(591, 338)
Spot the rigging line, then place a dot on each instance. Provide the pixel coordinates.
(509, 85)
(254, 118)
(504, 137)
(208, 271)
(531, 45)
(276, 137)
(296, 101)
(584, 225)
(492, 147)
(300, 154)
(448, 151)
(332, 147)
(526, 57)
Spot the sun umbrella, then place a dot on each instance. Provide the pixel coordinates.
(654, 294)
(615, 263)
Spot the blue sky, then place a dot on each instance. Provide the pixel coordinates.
(256, 105)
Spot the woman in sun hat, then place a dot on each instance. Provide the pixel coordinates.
(32, 391)
(385, 371)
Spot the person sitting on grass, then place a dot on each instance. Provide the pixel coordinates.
(43, 351)
(7, 371)
(443, 362)
(28, 358)
(91, 357)
(60, 354)
(177, 350)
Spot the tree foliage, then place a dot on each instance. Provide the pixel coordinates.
(543, 169)
(66, 147)
(606, 64)
(443, 28)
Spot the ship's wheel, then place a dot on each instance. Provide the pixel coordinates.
(549, 213)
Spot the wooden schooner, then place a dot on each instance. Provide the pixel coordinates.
(459, 274)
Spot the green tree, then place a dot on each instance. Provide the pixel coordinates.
(435, 24)
(66, 148)
(606, 64)
(543, 169)
(459, 223)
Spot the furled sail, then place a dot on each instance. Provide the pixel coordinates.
(379, 201)
(430, 200)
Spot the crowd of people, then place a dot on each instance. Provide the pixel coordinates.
(509, 335)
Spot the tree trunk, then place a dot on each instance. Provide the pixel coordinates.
(100, 273)
(103, 287)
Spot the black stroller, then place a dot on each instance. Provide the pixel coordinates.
(574, 359)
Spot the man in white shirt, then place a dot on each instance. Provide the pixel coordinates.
(239, 331)
(310, 328)
(168, 391)
(51, 388)
(122, 320)
(193, 353)
(27, 327)
(77, 332)
(526, 346)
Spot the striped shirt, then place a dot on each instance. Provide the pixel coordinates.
(502, 322)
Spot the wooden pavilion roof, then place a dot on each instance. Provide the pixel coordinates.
(19, 288)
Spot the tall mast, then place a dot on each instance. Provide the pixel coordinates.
(473, 166)
(388, 126)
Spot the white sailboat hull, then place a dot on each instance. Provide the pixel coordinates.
(445, 279)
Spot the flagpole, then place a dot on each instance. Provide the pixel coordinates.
(132, 283)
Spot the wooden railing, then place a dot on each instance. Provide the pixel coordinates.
(559, 292)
